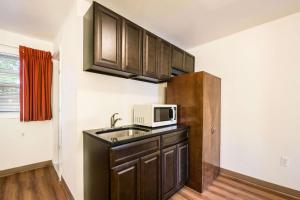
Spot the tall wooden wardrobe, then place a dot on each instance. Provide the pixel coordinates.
(198, 96)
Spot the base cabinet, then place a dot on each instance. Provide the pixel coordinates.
(137, 180)
(182, 176)
(125, 181)
(148, 169)
(169, 171)
(174, 169)
(150, 177)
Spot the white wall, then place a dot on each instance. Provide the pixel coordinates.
(260, 72)
(30, 142)
(89, 99)
(68, 41)
(255, 66)
(55, 112)
(100, 96)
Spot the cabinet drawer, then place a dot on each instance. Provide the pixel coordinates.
(174, 138)
(133, 150)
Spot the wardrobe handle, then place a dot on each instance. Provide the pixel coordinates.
(213, 129)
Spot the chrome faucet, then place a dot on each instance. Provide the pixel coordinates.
(113, 121)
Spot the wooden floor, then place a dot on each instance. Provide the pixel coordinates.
(227, 188)
(43, 184)
(40, 184)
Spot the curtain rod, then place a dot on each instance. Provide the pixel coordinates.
(16, 47)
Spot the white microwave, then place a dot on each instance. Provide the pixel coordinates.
(155, 115)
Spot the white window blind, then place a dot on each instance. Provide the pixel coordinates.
(9, 83)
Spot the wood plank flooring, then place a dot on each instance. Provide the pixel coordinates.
(43, 184)
(226, 188)
(39, 184)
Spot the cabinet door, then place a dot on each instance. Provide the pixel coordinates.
(125, 181)
(169, 171)
(164, 66)
(177, 58)
(182, 150)
(150, 55)
(189, 62)
(211, 128)
(131, 47)
(150, 177)
(107, 38)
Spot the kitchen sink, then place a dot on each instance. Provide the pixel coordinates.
(122, 133)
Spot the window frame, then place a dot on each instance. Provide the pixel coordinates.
(11, 51)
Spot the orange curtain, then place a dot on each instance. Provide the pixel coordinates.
(36, 70)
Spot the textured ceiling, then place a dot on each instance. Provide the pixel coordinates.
(186, 23)
(37, 18)
(189, 23)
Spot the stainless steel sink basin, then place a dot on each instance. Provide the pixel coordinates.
(122, 133)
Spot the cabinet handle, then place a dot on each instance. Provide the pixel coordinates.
(213, 129)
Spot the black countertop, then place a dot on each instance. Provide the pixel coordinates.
(120, 135)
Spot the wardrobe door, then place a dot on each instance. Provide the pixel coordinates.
(211, 128)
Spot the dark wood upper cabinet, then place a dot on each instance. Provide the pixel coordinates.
(150, 54)
(115, 46)
(125, 181)
(150, 177)
(177, 58)
(169, 171)
(107, 41)
(164, 60)
(189, 63)
(132, 47)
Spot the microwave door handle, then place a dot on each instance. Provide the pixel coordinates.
(174, 114)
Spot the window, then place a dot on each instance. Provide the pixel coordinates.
(9, 83)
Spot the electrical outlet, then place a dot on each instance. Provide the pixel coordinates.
(284, 162)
